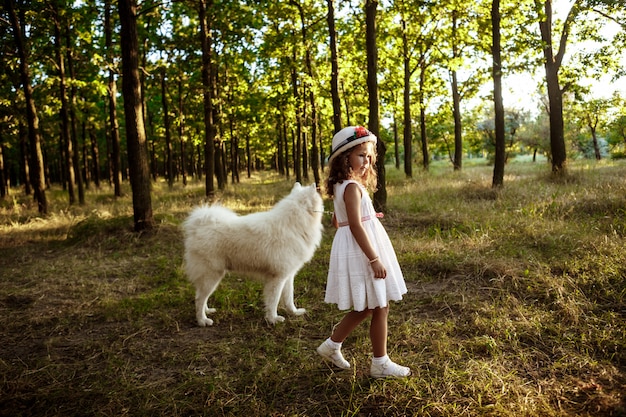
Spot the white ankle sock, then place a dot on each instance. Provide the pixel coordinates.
(331, 343)
(380, 361)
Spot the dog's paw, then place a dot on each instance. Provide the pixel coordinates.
(208, 310)
(274, 319)
(299, 311)
(205, 322)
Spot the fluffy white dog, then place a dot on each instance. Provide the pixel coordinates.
(271, 245)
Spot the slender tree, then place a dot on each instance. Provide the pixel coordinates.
(4, 188)
(181, 131)
(456, 96)
(72, 114)
(334, 74)
(37, 169)
(206, 39)
(408, 124)
(135, 131)
(115, 162)
(498, 170)
(315, 156)
(552, 64)
(380, 196)
(66, 141)
(169, 157)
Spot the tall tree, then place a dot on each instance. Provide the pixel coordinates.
(297, 134)
(4, 180)
(421, 28)
(72, 114)
(456, 95)
(408, 126)
(135, 131)
(334, 73)
(115, 162)
(498, 170)
(380, 196)
(169, 157)
(181, 130)
(315, 157)
(205, 11)
(37, 169)
(66, 140)
(552, 64)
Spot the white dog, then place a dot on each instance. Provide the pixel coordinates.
(271, 245)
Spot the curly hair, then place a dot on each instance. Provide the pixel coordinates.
(340, 170)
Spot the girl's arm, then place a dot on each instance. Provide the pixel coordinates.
(352, 198)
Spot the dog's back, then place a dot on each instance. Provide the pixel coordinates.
(207, 215)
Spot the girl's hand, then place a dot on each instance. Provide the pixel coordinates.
(379, 269)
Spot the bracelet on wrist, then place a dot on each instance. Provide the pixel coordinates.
(373, 260)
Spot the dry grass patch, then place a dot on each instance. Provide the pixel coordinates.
(515, 307)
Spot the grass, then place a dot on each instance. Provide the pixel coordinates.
(516, 306)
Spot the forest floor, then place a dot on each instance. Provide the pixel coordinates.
(516, 306)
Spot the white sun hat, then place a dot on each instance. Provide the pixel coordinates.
(349, 137)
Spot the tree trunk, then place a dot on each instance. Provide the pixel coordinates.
(209, 128)
(498, 170)
(315, 161)
(557, 131)
(408, 128)
(24, 158)
(72, 113)
(334, 72)
(169, 159)
(37, 169)
(423, 136)
(346, 104)
(249, 155)
(286, 141)
(592, 125)
(297, 140)
(66, 142)
(135, 129)
(458, 128)
(280, 162)
(95, 156)
(456, 104)
(181, 131)
(114, 128)
(396, 141)
(380, 196)
(221, 163)
(4, 189)
(86, 167)
(552, 64)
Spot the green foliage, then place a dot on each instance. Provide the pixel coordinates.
(260, 57)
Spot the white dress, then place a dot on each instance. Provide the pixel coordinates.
(351, 282)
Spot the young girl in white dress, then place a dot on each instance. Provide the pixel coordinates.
(364, 274)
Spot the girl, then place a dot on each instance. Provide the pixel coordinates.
(364, 274)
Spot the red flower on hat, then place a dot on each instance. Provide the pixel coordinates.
(360, 132)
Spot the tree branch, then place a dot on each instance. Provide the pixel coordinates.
(608, 16)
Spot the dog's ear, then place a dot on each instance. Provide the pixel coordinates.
(296, 186)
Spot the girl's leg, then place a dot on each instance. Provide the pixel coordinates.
(382, 366)
(330, 349)
(349, 322)
(378, 331)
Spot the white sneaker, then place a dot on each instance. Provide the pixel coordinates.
(389, 369)
(333, 355)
